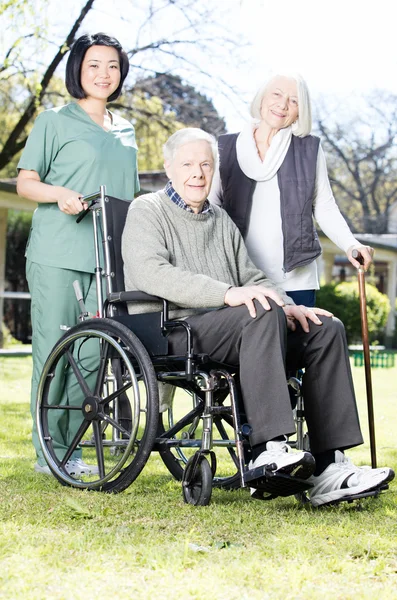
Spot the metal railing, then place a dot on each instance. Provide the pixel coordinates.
(15, 295)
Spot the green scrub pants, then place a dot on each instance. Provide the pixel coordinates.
(53, 304)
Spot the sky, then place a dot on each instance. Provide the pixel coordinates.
(343, 45)
(343, 48)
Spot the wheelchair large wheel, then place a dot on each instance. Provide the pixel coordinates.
(98, 399)
(176, 457)
(197, 481)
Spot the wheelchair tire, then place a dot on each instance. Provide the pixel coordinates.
(175, 459)
(197, 490)
(107, 371)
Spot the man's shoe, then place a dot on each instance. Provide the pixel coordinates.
(341, 480)
(280, 458)
(74, 466)
(339, 457)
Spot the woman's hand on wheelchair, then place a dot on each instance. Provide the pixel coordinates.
(69, 201)
(237, 296)
(302, 314)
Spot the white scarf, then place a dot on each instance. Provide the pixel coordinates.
(249, 159)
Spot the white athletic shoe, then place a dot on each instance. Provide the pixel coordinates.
(342, 479)
(77, 467)
(43, 469)
(74, 466)
(283, 459)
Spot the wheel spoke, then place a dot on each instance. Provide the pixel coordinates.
(81, 381)
(102, 368)
(99, 447)
(116, 425)
(116, 394)
(60, 406)
(75, 442)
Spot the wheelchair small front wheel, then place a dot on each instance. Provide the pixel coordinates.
(175, 457)
(197, 481)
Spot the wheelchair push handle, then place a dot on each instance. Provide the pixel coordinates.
(92, 199)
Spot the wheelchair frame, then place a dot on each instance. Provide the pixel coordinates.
(118, 424)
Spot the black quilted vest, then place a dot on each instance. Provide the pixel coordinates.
(296, 180)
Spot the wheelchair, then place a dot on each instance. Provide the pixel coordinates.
(102, 379)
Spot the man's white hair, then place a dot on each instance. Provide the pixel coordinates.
(185, 136)
(303, 125)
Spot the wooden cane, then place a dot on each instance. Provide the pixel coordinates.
(367, 357)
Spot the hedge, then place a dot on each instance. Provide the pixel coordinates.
(343, 300)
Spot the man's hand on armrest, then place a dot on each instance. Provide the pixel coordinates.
(237, 296)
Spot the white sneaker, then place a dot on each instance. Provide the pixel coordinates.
(74, 466)
(78, 467)
(283, 459)
(43, 469)
(342, 479)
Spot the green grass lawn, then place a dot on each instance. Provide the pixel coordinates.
(60, 543)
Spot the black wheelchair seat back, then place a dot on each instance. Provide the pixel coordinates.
(147, 326)
(116, 214)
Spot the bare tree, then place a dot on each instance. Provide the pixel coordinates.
(362, 162)
(190, 35)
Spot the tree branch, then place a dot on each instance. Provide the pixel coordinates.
(11, 145)
(5, 66)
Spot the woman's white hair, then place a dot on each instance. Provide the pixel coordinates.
(185, 136)
(303, 125)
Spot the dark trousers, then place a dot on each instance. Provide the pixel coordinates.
(262, 348)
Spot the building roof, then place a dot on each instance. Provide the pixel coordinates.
(388, 241)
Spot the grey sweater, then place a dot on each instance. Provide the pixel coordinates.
(189, 259)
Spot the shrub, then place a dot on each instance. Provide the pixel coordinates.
(343, 300)
(394, 338)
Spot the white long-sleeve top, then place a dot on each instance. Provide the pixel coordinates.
(264, 238)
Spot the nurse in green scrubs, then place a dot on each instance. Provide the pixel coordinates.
(70, 152)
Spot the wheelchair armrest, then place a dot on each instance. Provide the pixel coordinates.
(166, 324)
(132, 297)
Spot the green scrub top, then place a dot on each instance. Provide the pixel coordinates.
(67, 148)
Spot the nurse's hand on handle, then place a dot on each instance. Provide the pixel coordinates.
(30, 186)
(69, 201)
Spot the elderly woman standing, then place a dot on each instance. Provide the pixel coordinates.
(272, 180)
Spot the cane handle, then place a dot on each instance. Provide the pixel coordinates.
(358, 256)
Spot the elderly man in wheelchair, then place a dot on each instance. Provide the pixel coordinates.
(177, 246)
(202, 317)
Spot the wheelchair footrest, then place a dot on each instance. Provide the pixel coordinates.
(271, 484)
(370, 494)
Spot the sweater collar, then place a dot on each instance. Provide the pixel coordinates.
(178, 200)
(249, 160)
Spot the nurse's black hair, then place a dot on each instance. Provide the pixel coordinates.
(76, 57)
